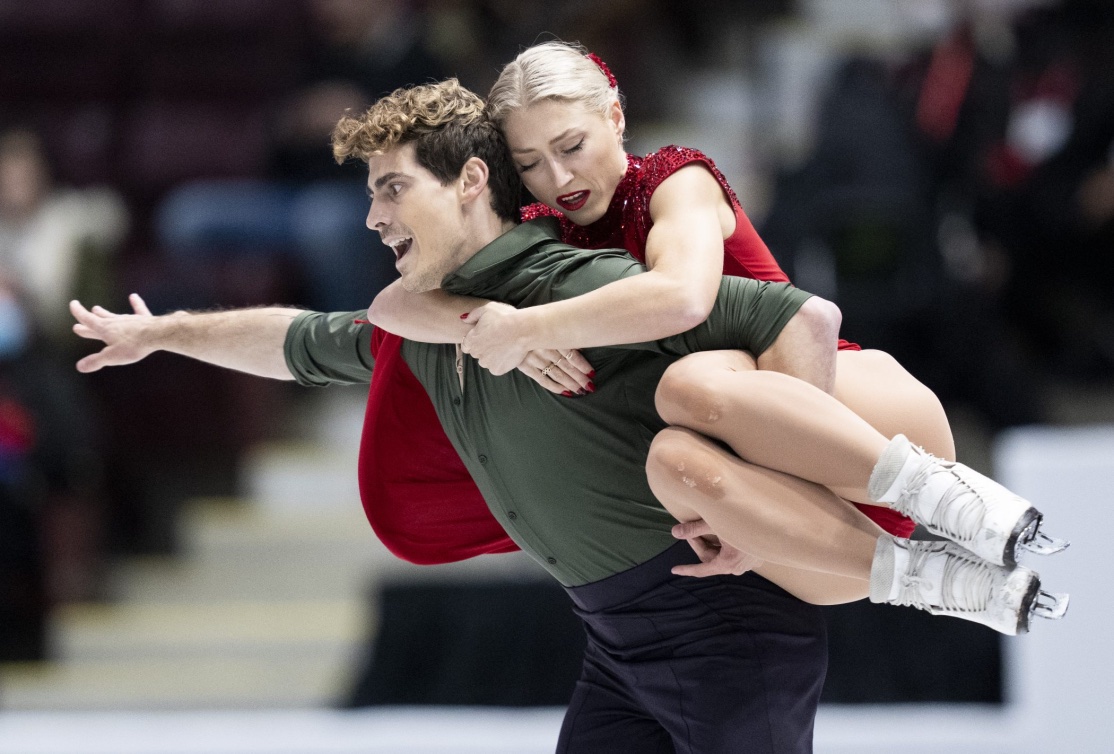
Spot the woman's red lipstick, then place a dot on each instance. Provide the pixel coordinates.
(574, 201)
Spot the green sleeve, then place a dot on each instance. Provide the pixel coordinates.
(329, 349)
(748, 315)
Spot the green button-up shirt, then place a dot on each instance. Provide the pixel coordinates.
(564, 476)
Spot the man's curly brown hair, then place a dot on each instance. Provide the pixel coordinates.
(447, 125)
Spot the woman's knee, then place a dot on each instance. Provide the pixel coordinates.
(690, 391)
(683, 473)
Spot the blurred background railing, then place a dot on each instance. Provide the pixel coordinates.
(177, 537)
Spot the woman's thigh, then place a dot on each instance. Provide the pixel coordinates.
(877, 388)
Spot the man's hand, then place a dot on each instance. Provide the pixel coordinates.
(498, 330)
(716, 558)
(122, 334)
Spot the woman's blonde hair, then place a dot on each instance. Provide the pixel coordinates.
(552, 70)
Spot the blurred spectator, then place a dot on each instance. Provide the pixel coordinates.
(1017, 118)
(307, 205)
(865, 222)
(50, 503)
(55, 243)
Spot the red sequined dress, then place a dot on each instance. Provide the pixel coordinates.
(416, 491)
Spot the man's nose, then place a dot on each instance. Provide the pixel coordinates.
(375, 219)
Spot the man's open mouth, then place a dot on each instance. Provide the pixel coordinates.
(400, 246)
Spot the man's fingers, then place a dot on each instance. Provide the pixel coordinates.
(91, 363)
(139, 306)
(80, 313)
(692, 529)
(697, 569)
(86, 332)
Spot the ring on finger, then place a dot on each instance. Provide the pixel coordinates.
(549, 369)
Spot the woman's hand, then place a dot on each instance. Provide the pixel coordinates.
(566, 373)
(499, 341)
(500, 337)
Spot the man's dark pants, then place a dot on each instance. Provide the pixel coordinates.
(694, 666)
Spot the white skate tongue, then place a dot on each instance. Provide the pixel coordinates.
(892, 472)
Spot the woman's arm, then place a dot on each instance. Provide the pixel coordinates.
(431, 317)
(684, 254)
(435, 317)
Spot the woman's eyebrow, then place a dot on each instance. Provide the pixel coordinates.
(556, 138)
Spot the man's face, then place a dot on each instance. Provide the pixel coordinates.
(417, 217)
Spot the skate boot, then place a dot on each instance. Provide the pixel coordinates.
(959, 503)
(946, 579)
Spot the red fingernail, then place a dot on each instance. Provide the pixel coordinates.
(581, 392)
(464, 316)
(592, 374)
(591, 387)
(567, 394)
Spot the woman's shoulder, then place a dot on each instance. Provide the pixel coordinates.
(659, 165)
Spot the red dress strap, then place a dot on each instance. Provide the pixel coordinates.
(416, 492)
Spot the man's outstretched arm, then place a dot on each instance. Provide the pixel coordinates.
(247, 340)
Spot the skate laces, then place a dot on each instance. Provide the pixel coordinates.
(966, 585)
(959, 512)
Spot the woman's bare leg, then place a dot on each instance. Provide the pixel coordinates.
(877, 388)
(771, 420)
(816, 546)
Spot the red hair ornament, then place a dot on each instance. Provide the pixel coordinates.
(606, 71)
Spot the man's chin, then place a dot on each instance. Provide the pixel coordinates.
(413, 284)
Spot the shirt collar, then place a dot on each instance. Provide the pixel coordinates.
(501, 252)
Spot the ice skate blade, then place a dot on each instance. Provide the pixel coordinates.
(1042, 544)
(1050, 606)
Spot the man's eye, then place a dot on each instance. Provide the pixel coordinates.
(396, 189)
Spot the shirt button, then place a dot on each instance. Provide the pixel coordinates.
(551, 561)
(512, 515)
(483, 459)
(456, 401)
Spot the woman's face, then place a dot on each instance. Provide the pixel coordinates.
(571, 158)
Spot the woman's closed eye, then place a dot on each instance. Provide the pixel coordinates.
(575, 148)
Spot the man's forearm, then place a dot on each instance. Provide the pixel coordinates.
(247, 340)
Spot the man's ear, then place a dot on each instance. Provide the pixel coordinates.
(473, 179)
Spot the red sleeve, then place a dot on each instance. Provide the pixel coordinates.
(659, 165)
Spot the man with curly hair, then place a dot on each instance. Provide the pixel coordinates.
(673, 663)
